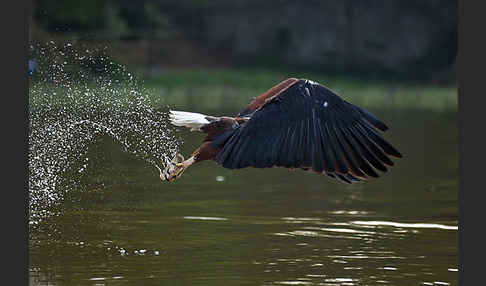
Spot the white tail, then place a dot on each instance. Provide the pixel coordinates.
(188, 119)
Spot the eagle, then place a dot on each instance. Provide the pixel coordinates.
(297, 124)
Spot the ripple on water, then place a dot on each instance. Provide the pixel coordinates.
(405, 225)
(350, 247)
(204, 218)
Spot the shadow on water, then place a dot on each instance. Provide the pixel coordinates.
(114, 222)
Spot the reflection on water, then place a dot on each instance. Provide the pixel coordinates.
(405, 225)
(205, 218)
(120, 225)
(358, 249)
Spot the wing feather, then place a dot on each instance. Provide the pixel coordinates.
(328, 156)
(290, 147)
(336, 153)
(308, 139)
(364, 152)
(318, 160)
(238, 158)
(372, 119)
(300, 148)
(348, 153)
(378, 139)
(372, 146)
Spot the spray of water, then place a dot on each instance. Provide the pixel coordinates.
(75, 96)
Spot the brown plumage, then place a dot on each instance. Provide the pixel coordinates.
(295, 124)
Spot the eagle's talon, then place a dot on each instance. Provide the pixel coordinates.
(174, 168)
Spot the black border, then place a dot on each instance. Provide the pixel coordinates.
(14, 118)
(471, 78)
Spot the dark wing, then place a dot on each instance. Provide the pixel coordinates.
(310, 127)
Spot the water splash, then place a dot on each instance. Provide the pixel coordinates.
(76, 95)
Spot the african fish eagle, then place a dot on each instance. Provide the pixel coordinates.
(295, 124)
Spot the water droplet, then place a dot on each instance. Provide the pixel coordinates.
(70, 109)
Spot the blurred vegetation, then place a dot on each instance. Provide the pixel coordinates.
(391, 40)
(230, 90)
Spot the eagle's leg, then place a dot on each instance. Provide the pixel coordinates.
(174, 169)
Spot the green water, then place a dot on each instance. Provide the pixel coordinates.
(122, 226)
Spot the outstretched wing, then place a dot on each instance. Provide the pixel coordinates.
(310, 127)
